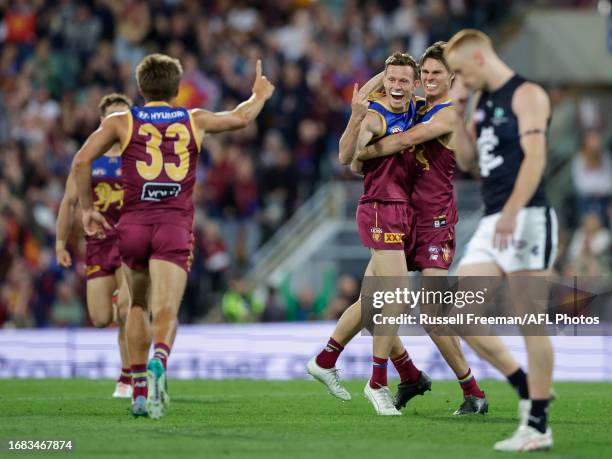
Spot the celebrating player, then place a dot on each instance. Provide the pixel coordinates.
(517, 236)
(432, 142)
(160, 145)
(103, 270)
(384, 222)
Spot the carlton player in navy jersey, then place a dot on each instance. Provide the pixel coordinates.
(160, 144)
(517, 236)
(103, 263)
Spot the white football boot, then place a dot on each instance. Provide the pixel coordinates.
(526, 438)
(122, 390)
(382, 400)
(329, 378)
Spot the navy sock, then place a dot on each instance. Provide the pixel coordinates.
(538, 416)
(518, 379)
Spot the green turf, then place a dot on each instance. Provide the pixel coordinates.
(253, 419)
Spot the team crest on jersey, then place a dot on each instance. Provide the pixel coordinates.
(499, 116)
(396, 129)
(420, 157)
(107, 195)
(376, 234)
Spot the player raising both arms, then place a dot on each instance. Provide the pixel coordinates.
(103, 263)
(431, 142)
(160, 148)
(517, 236)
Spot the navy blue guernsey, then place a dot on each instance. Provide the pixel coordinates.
(499, 147)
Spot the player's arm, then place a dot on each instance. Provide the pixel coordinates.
(370, 127)
(374, 84)
(242, 115)
(63, 225)
(350, 136)
(532, 109)
(96, 145)
(441, 124)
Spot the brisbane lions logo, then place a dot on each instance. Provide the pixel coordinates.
(108, 195)
(419, 154)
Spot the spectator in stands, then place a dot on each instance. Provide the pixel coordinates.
(303, 303)
(67, 310)
(592, 173)
(239, 304)
(58, 58)
(589, 252)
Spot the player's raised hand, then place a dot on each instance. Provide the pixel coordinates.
(95, 224)
(262, 87)
(359, 103)
(63, 257)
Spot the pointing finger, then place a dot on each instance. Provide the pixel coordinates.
(258, 68)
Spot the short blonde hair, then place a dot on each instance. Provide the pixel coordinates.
(467, 36)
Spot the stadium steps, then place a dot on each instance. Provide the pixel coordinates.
(322, 235)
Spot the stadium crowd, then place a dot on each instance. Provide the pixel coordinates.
(58, 58)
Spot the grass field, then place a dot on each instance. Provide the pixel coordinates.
(253, 419)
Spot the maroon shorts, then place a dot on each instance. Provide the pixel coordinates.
(102, 257)
(433, 248)
(139, 243)
(386, 225)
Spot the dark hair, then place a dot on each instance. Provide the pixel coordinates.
(112, 99)
(404, 59)
(158, 77)
(435, 52)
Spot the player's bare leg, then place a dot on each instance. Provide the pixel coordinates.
(100, 291)
(474, 400)
(138, 336)
(388, 266)
(492, 348)
(168, 282)
(122, 306)
(533, 432)
(533, 413)
(322, 367)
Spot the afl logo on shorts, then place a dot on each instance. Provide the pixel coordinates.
(395, 129)
(376, 234)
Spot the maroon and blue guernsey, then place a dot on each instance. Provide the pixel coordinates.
(390, 178)
(159, 166)
(432, 197)
(106, 189)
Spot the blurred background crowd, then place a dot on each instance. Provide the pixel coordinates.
(57, 58)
